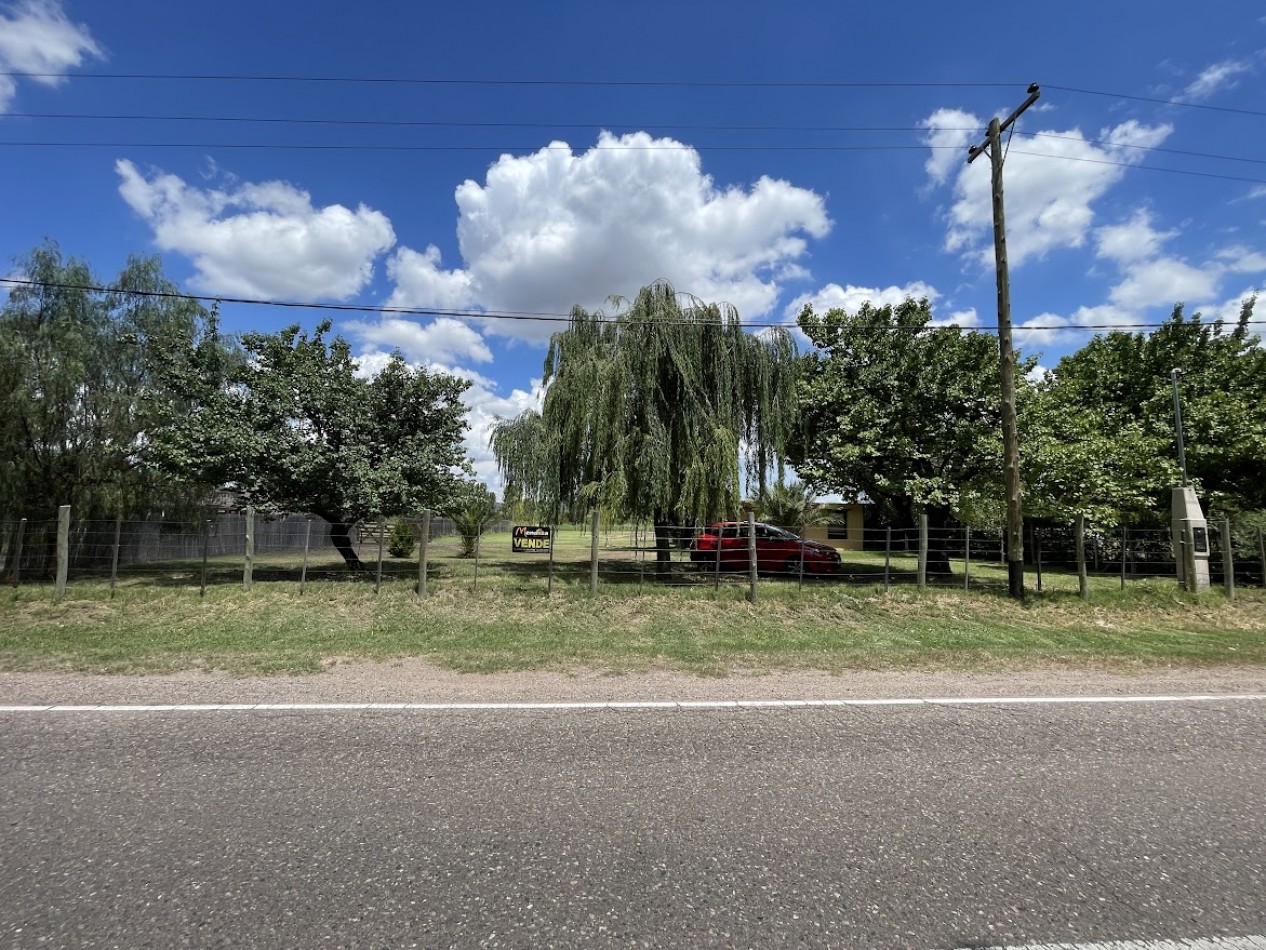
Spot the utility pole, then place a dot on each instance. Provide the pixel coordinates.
(1010, 431)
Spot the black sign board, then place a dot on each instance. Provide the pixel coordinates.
(531, 538)
(1200, 538)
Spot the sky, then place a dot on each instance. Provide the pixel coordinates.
(523, 158)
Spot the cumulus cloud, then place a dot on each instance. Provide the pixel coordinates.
(37, 37)
(262, 239)
(950, 133)
(444, 340)
(1131, 240)
(850, 298)
(1053, 182)
(556, 228)
(1163, 281)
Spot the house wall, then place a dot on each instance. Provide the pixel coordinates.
(849, 515)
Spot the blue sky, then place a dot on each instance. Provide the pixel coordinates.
(490, 193)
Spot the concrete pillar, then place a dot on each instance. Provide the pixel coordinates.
(1186, 513)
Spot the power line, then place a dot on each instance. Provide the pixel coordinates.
(365, 147)
(452, 81)
(509, 315)
(1164, 102)
(671, 126)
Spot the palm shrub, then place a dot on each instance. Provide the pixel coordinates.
(471, 510)
(788, 506)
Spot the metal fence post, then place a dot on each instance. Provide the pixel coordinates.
(593, 554)
(114, 554)
(1228, 560)
(307, 541)
(206, 541)
(17, 553)
(63, 550)
(1079, 527)
(423, 541)
(923, 550)
(967, 559)
(800, 563)
(887, 557)
(248, 566)
(479, 537)
(751, 556)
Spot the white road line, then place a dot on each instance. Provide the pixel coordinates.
(1206, 943)
(684, 704)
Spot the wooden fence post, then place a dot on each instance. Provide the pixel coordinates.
(1083, 589)
(751, 556)
(423, 541)
(1228, 560)
(923, 550)
(382, 531)
(593, 554)
(206, 541)
(1125, 547)
(248, 566)
(887, 557)
(967, 559)
(114, 553)
(1037, 555)
(549, 577)
(63, 550)
(1261, 552)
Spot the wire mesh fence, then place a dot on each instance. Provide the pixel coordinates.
(428, 553)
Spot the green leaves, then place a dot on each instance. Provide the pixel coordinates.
(646, 412)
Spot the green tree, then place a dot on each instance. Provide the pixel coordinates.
(74, 364)
(1111, 409)
(902, 413)
(645, 411)
(790, 506)
(471, 508)
(291, 424)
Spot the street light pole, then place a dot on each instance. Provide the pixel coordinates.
(1182, 455)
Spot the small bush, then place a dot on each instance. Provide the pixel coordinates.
(401, 541)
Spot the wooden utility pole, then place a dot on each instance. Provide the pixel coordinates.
(1010, 431)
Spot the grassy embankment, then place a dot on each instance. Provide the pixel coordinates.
(158, 622)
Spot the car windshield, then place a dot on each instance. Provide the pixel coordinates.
(780, 534)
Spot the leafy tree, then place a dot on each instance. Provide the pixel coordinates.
(401, 541)
(292, 425)
(788, 505)
(645, 411)
(1111, 408)
(899, 412)
(74, 364)
(472, 507)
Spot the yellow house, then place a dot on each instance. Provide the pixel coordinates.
(841, 527)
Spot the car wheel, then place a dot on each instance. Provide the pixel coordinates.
(792, 567)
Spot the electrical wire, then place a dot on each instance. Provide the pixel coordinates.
(508, 315)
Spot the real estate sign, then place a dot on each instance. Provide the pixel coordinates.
(531, 538)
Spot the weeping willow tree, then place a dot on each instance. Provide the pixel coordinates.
(648, 412)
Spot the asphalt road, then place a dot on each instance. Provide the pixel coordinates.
(869, 827)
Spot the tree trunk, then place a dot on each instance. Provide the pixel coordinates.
(939, 542)
(340, 537)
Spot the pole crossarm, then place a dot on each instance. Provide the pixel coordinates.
(977, 150)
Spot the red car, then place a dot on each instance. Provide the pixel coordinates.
(777, 551)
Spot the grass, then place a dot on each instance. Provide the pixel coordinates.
(156, 622)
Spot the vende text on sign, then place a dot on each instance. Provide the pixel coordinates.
(531, 538)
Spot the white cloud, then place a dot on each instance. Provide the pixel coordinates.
(959, 318)
(444, 340)
(1163, 281)
(259, 240)
(1132, 240)
(949, 136)
(1213, 79)
(1052, 184)
(1257, 191)
(554, 228)
(1242, 260)
(1044, 329)
(37, 37)
(851, 298)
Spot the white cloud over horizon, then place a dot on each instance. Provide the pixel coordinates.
(1052, 184)
(1213, 79)
(36, 36)
(555, 228)
(262, 239)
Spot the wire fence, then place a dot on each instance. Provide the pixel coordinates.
(429, 552)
